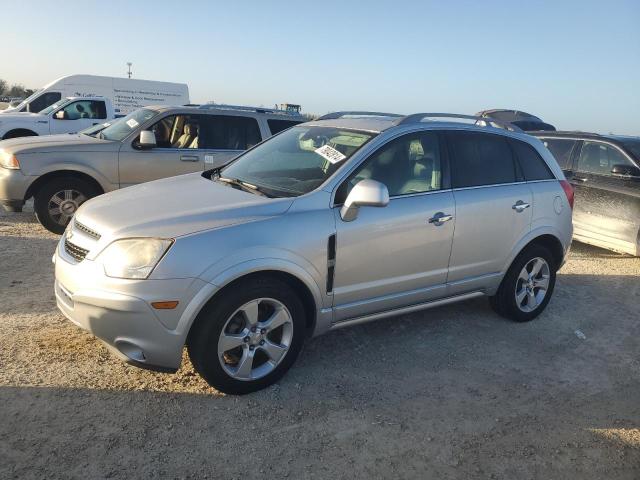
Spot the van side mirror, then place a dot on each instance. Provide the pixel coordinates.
(147, 140)
(626, 170)
(366, 193)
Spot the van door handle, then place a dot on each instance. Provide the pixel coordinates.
(439, 218)
(189, 158)
(520, 206)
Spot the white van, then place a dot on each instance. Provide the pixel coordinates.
(126, 94)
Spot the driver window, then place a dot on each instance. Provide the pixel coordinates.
(83, 109)
(407, 165)
(600, 158)
(177, 131)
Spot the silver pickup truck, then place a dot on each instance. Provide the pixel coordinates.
(60, 172)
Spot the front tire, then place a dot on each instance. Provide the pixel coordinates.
(528, 285)
(58, 199)
(247, 338)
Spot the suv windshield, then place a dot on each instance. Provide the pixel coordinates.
(296, 161)
(634, 147)
(119, 130)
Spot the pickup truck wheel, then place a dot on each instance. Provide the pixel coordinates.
(57, 200)
(528, 285)
(247, 338)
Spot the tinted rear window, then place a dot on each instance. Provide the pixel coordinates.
(228, 132)
(532, 164)
(561, 150)
(480, 159)
(276, 126)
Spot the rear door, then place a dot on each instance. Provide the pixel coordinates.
(224, 137)
(607, 204)
(493, 208)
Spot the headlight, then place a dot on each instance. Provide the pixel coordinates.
(133, 257)
(9, 160)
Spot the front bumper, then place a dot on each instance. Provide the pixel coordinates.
(13, 188)
(119, 312)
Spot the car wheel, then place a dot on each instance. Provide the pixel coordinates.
(528, 285)
(249, 336)
(57, 200)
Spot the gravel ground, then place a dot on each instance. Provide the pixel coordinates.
(453, 392)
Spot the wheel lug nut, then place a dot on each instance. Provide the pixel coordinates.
(245, 339)
(253, 329)
(261, 342)
(263, 331)
(251, 347)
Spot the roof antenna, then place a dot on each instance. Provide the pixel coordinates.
(129, 70)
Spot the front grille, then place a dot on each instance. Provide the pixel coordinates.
(75, 251)
(86, 230)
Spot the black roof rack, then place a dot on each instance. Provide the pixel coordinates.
(244, 108)
(357, 113)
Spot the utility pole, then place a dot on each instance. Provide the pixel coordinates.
(129, 71)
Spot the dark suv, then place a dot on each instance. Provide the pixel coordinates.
(604, 171)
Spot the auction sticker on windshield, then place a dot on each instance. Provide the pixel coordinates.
(330, 153)
(132, 123)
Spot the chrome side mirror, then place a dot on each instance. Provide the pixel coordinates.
(147, 139)
(366, 193)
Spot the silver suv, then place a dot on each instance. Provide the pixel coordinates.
(335, 222)
(62, 171)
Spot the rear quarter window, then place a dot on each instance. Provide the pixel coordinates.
(531, 163)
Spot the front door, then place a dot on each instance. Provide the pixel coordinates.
(397, 255)
(187, 143)
(77, 116)
(607, 204)
(493, 208)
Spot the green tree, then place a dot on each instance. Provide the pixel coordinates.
(16, 90)
(3, 86)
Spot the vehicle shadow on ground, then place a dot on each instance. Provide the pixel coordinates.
(452, 391)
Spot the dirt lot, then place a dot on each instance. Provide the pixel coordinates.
(454, 392)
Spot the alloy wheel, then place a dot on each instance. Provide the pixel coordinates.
(255, 339)
(63, 204)
(532, 284)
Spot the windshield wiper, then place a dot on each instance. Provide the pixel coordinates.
(247, 187)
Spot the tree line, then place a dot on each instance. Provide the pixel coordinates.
(15, 90)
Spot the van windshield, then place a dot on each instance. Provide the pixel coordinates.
(124, 126)
(29, 98)
(296, 161)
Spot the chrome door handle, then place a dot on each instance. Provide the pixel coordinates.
(189, 158)
(439, 218)
(520, 206)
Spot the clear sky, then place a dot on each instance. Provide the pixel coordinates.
(575, 64)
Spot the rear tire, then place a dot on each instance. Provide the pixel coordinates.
(527, 286)
(238, 355)
(58, 199)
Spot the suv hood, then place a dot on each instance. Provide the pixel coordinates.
(173, 207)
(50, 143)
